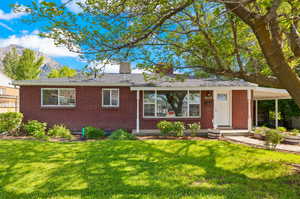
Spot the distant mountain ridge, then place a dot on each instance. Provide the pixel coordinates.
(47, 66)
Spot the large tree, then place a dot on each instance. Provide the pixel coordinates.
(22, 67)
(255, 40)
(64, 71)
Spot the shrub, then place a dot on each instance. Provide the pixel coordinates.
(40, 135)
(194, 127)
(294, 132)
(273, 138)
(261, 130)
(93, 133)
(10, 122)
(165, 127)
(120, 134)
(178, 128)
(33, 126)
(60, 131)
(281, 129)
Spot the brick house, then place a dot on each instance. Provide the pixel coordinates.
(125, 100)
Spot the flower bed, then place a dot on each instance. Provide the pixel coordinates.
(289, 137)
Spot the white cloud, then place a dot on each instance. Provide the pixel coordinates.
(11, 15)
(33, 41)
(6, 26)
(24, 32)
(73, 6)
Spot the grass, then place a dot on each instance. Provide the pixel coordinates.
(144, 169)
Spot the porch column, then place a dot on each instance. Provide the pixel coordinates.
(276, 113)
(249, 111)
(256, 112)
(214, 112)
(137, 111)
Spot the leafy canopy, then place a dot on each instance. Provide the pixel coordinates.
(256, 40)
(22, 67)
(64, 71)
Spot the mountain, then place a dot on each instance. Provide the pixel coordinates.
(47, 66)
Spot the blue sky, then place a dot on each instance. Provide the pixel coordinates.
(14, 31)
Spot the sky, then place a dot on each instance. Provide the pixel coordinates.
(14, 31)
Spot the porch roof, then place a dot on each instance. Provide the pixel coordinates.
(263, 93)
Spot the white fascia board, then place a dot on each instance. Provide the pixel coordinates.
(194, 88)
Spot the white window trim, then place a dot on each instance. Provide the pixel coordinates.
(178, 117)
(59, 90)
(110, 100)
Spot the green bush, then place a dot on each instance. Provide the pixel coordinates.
(93, 133)
(295, 132)
(40, 135)
(273, 138)
(261, 130)
(165, 127)
(10, 122)
(194, 127)
(34, 126)
(121, 134)
(178, 128)
(281, 129)
(60, 131)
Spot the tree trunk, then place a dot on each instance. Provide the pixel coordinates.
(272, 51)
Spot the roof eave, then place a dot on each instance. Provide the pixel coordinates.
(41, 83)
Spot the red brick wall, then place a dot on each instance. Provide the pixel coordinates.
(88, 110)
(239, 109)
(205, 120)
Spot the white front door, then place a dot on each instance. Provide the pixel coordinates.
(222, 116)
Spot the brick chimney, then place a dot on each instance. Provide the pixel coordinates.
(125, 68)
(164, 68)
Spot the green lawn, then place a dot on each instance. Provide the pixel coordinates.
(144, 169)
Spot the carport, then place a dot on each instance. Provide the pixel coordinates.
(263, 93)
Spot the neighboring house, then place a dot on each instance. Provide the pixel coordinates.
(127, 101)
(8, 95)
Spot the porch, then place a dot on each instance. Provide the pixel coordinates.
(230, 115)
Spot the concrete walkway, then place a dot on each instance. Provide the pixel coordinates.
(261, 143)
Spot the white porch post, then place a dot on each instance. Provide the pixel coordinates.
(276, 113)
(256, 112)
(214, 112)
(137, 111)
(249, 111)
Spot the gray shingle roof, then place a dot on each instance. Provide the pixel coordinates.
(136, 80)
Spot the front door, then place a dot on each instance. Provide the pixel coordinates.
(222, 109)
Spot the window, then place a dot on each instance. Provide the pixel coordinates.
(222, 97)
(172, 103)
(58, 97)
(110, 97)
(149, 103)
